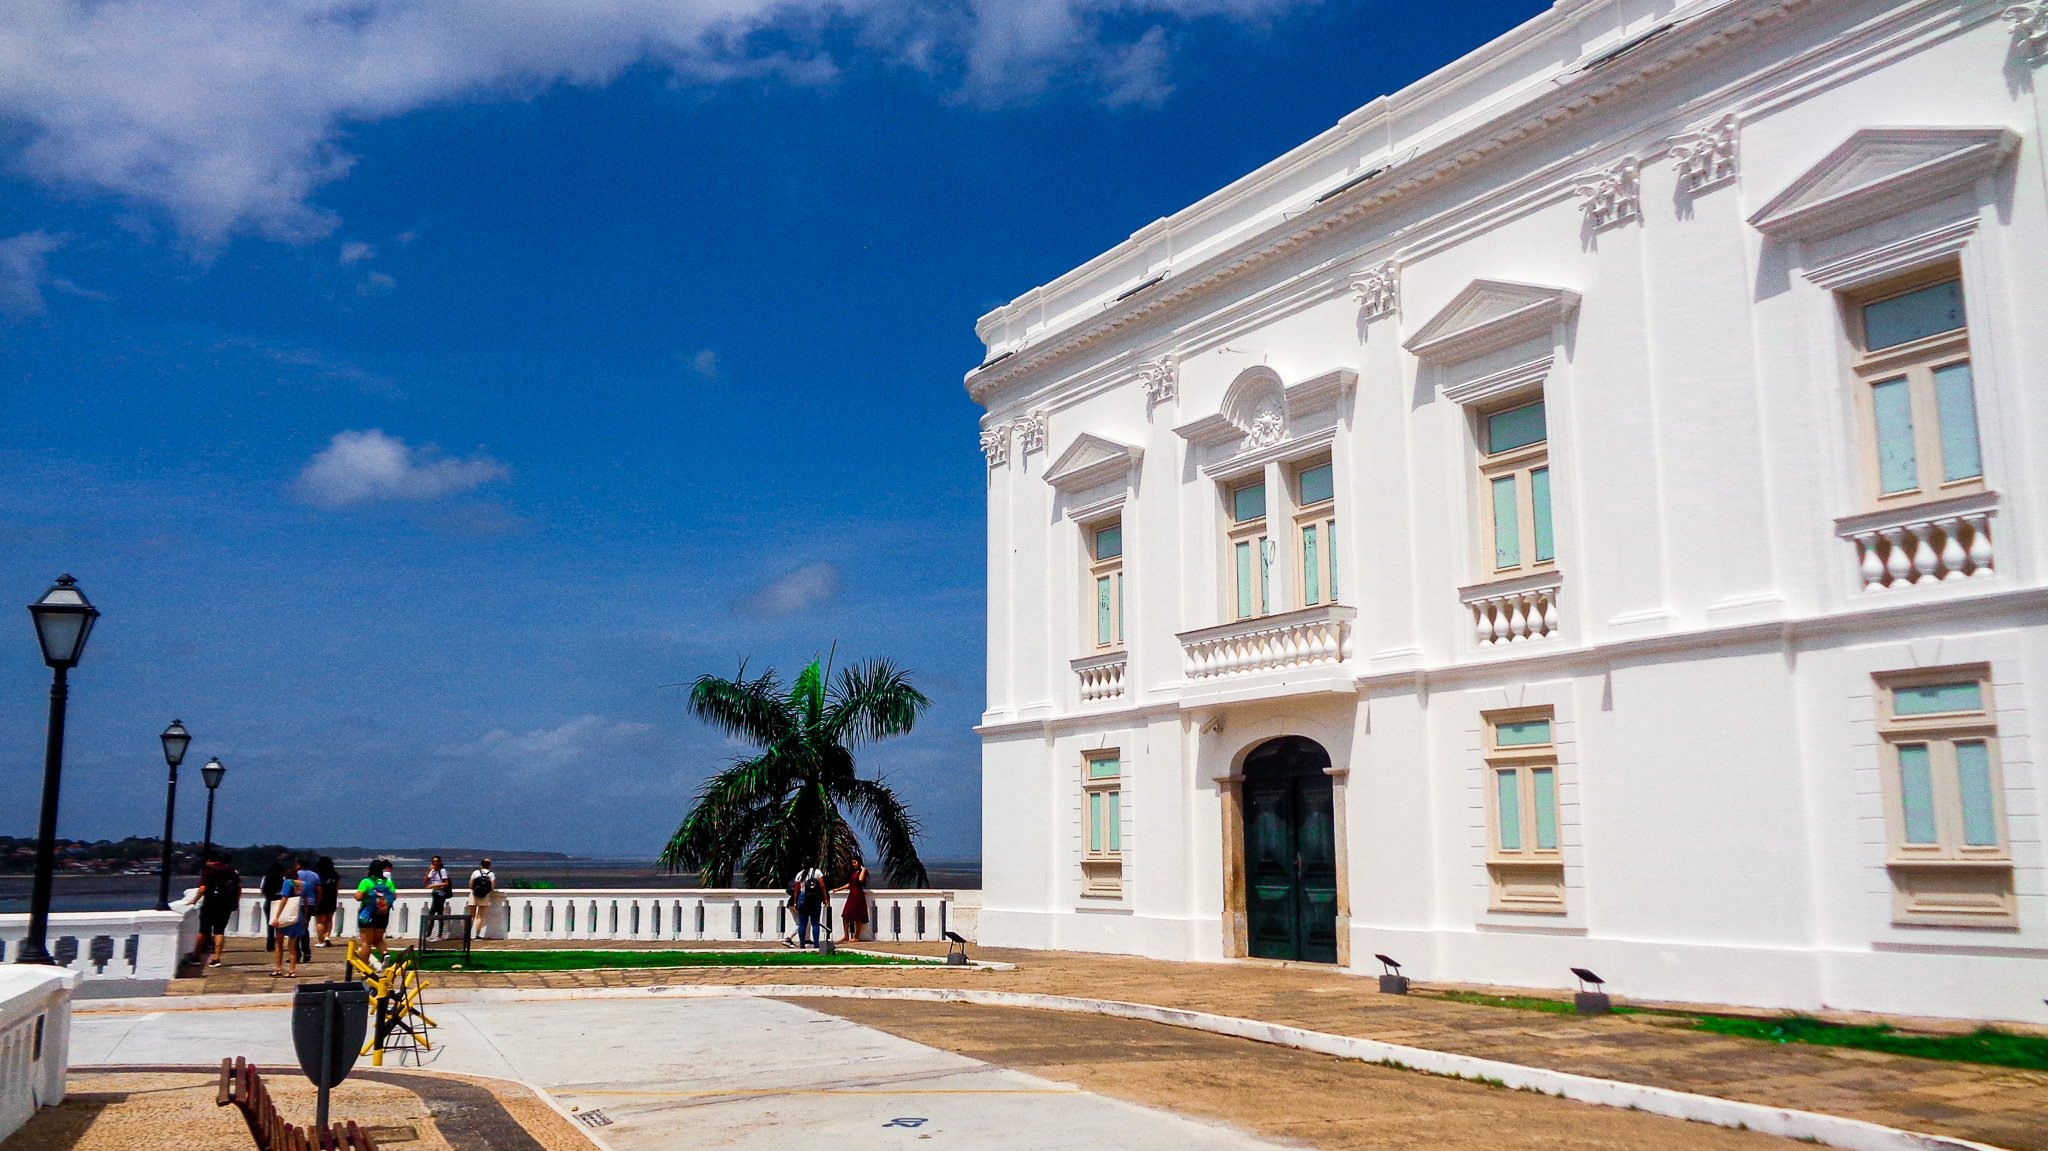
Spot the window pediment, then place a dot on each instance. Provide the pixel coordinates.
(1882, 172)
(1091, 461)
(1490, 315)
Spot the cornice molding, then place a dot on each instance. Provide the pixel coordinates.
(1489, 315)
(1735, 21)
(1526, 377)
(1881, 172)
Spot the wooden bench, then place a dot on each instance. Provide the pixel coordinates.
(242, 1085)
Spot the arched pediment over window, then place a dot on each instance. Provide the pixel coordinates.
(1261, 410)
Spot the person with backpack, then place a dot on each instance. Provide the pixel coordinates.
(483, 895)
(329, 899)
(376, 895)
(810, 902)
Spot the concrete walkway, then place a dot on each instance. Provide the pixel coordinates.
(1998, 1106)
(664, 1075)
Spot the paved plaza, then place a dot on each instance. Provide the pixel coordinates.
(735, 1072)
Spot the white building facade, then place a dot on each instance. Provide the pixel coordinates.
(1585, 509)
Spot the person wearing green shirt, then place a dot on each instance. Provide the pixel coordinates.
(376, 895)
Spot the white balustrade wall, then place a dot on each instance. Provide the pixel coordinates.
(35, 1040)
(1936, 549)
(1319, 635)
(1102, 676)
(684, 915)
(110, 945)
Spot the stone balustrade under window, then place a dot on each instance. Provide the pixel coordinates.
(1304, 638)
(1942, 542)
(1514, 610)
(1102, 676)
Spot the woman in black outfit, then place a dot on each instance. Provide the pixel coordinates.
(220, 889)
(328, 900)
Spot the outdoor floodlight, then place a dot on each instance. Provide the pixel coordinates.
(1392, 982)
(64, 618)
(1594, 1002)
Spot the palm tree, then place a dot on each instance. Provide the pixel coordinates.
(785, 808)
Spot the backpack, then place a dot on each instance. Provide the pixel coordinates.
(378, 905)
(480, 885)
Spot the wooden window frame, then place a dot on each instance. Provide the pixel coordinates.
(1252, 532)
(1916, 362)
(1528, 879)
(1102, 869)
(1948, 882)
(1099, 569)
(1320, 516)
(1519, 464)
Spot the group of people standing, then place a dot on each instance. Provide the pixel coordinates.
(808, 896)
(302, 894)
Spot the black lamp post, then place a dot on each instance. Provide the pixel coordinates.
(176, 740)
(212, 773)
(64, 618)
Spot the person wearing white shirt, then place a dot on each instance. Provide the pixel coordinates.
(438, 890)
(810, 902)
(483, 895)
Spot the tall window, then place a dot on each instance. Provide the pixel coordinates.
(1251, 550)
(1944, 796)
(1315, 526)
(1913, 385)
(1102, 801)
(1106, 584)
(1523, 855)
(1514, 474)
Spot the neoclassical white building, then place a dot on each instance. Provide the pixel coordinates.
(1585, 509)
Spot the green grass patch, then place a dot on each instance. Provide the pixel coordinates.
(588, 960)
(1519, 1002)
(1985, 1045)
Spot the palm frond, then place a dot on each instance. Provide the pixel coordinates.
(873, 699)
(892, 828)
(750, 709)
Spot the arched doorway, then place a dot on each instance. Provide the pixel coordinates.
(1290, 852)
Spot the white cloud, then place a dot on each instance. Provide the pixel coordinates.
(355, 252)
(803, 588)
(376, 284)
(369, 467)
(586, 741)
(22, 273)
(705, 363)
(229, 114)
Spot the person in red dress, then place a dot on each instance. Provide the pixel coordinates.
(853, 917)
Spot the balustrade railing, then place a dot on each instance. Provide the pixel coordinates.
(111, 944)
(1515, 610)
(1941, 542)
(681, 915)
(1309, 636)
(1102, 676)
(35, 1041)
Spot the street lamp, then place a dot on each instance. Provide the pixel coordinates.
(64, 618)
(212, 773)
(176, 740)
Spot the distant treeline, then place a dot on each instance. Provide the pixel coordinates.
(18, 854)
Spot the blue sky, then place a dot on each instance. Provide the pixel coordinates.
(426, 393)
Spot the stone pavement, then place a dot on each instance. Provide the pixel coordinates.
(1999, 1106)
(666, 1075)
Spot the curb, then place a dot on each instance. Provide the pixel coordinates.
(1830, 1130)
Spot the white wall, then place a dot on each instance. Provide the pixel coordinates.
(1723, 833)
(35, 1041)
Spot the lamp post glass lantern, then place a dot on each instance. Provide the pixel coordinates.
(212, 773)
(64, 619)
(175, 739)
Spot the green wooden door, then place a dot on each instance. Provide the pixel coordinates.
(1290, 853)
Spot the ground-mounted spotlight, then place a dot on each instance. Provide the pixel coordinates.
(1392, 982)
(1594, 1001)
